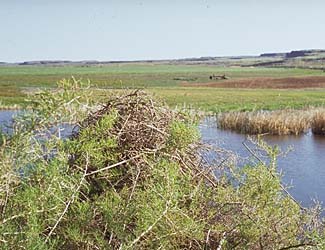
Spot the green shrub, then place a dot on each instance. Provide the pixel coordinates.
(181, 135)
(131, 178)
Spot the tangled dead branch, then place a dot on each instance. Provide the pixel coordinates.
(141, 127)
(141, 124)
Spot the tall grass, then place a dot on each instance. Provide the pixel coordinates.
(281, 122)
(318, 122)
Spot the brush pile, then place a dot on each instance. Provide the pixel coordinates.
(137, 127)
(140, 123)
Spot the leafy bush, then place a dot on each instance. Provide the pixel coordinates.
(131, 177)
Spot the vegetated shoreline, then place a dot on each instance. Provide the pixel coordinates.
(132, 178)
(274, 122)
(10, 107)
(278, 122)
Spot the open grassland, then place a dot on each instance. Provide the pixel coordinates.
(154, 67)
(137, 75)
(165, 81)
(220, 100)
(301, 82)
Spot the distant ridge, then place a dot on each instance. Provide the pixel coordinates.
(293, 53)
(284, 59)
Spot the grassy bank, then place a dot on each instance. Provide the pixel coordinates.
(220, 100)
(212, 99)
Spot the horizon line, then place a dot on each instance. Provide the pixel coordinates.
(148, 59)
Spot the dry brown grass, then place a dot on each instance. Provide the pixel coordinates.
(318, 122)
(282, 122)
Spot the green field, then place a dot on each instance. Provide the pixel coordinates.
(241, 99)
(164, 80)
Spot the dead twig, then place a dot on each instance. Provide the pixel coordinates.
(113, 165)
(298, 246)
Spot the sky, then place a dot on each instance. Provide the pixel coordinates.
(156, 29)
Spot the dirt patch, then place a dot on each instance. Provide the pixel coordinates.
(266, 83)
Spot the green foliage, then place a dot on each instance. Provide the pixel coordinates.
(54, 105)
(181, 135)
(68, 194)
(97, 142)
(266, 203)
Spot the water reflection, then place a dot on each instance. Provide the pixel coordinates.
(303, 167)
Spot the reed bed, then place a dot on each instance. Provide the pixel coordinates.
(281, 122)
(318, 122)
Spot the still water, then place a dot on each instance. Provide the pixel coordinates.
(5, 119)
(303, 168)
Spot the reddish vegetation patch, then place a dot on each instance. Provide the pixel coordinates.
(266, 83)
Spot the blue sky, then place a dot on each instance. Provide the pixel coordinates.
(156, 29)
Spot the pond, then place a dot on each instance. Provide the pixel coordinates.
(5, 119)
(303, 168)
